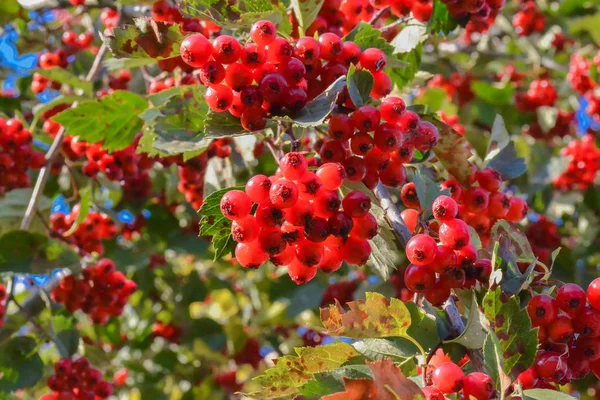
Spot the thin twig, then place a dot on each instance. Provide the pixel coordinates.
(40, 184)
(382, 194)
(380, 13)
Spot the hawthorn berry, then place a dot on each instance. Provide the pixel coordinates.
(448, 377)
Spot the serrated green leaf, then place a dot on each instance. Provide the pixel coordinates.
(545, 394)
(512, 327)
(146, 39)
(112, 120)
(69, 340)
(63, 76)
(377, 349)
(441, 21)
(428, 189)
(220, 125)
(492, 357)
(306, 11)
(25, 252)
(475, 333)
(213, 223)
(360, 84)
(411, 61)
(116, 64)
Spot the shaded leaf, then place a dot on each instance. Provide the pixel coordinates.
(25, 252)
(373, 317)
(475, 333)
(428, 189)
(116, 64)
(493, 93)
(545, 394)
(306, 11)
(410, 63)
(112, 120)
(69, 340)
(494, 362)
(388, 383)
(441, 21)
(219, 125)
(20, 364)
(360, 84)
(146, 39)
(377, 349)
(13, 206)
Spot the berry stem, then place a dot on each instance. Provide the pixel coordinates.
(377, 16)
(40, 183)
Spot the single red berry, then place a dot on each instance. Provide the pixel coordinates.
(373, 59)
(299, 213)
(293, 166)
(316, 229)
(340, 127)
(489, 179)
(263, 32)
(448, 377)
(587, 323)
(330, 46)
(561, 329)
(279, 50)
(226, 49)
(271, 240)
(455, 233)
(219, 98)
(366, 118)
(356, 204)
(326, 203)
(334, 151)
(238, 76)
(340, 224)
(355, 167)
(444, 208)
(542, 310)
(365, 227)
(196, 50)
(250, 255)
(309, 253)
(361, 143)
(409, 196)
(332, 175)
(300, 273)
(235, 205)
(571, 299)
(593, 294)
(283, 193)
(309, 186)
(418, 278)
(421, 249)
(257, 188)
(268, 215)
(273, 87)
(479, 386)
(212, 73)
(388, 137)
(391, 109)
(356, 251)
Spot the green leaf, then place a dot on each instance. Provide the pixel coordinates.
(493, 360)
(40, 108)
(63, 76)
(240, 14)
(360, 84)
(512, 327)
(315, 112)
(117, 64)
(70, 342)
(13, 206)
(378, 349)
(85, 200)
(545, 394)
(428, 189)
(304, 297)
(323, 384)
(546, 117)
(176, 123)
(25, 252)
(475, 333)
(441, 21)
(411, 62)
(220, 125)
(306, 11)
(501, 153)
(213, 223)
(589, 24)
(146, 39)
(365, 36)
(409, 38)
(20, 364)
(9, 11)
(292, 372)
(452, 150)
(498, 94)
(112, 120)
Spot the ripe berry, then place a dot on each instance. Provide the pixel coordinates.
(293, 166)
(361, 143)
(285, 257)
(332, 175)
(356, 251)
(332, 260)
(499, 205)
(212, 73)
(571, 299)
(593, 294)
(330, 46)
(561, 329)
(340, 127)
(235, 205)
(299, 213)
(250, 255)
(448, 377)
(366, 118)
(253, 119)
(257, 188)
(326, 203)
(356, 204)
(387, 137)
(476, 200)
(542, 310)
(418, 278)
(444, 208)
(356, 169)
(268, 215)
(196, 50)
(219, 97)
(238, 76)
(550, 366)
(300, 273)
(409, 196)
(479, 386)
(455, 233)
(271, 241)
(226, 49)
(310, 253)
(279, 50)
(263, 32)
(365, 227)
(307, 50)
(273, 86)
(283, 193)
(489, 179)
(587, 323)
(340, 224)
(333, 151)
(373, 59)
(293, 70)
(391, 109)
(253, 56)
(309, 186)
(245, 230)
(316, 229)
(421, 249)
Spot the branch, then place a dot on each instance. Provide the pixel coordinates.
(40, 184)
(129, 11)
(392, 214)
(457, 327)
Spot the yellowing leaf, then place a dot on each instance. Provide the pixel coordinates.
(291, 372)
(373, 317)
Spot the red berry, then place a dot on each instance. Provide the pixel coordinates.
(571, 299)
(283, 193)
(273, 87)
(340, 224)
(448, 377)
(388, 137)
(340, 127)
(356, 204)
(391, 109)
(365, 227)
(418, 278)
(455, 233)
(257, 188)
(444, 208)
(542, 310)
(356, 251)
(332, 175)
(309, 186)
(561, 329)
(238, 76)
(271, 240)
(309, 253)
(293, 166)
(479, 386)
(300, 273)
(268, 216)
(219, 97)
(361, 143)
(245, 230)
(330, 46)
(373, 59)
(489, 179)
(587, 323)
(355, 167)
(226, 49)
(593, 294)
(316, 229)
(235, 205)
(250, 255)
(196, 50)
(279, 50)
(263, 32)
(421, 249)
(366, 118)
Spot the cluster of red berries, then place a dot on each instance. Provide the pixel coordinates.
(16, 155)
(75, 41)
(287, 75)
(584, 163)
(249, 354)
(569, 333)
(477, 15)
(434, 269)
(544, 238)
(459, 85)
(89, 234)
(298, 222)
(170, 332)
(3, 296)
(373, 144)
(49, 60)
(580, 74)
(448, 378)
(528, 19)
(73, 380)
(102, 292)
(541, 92)
(563, 126)
(163, 11)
